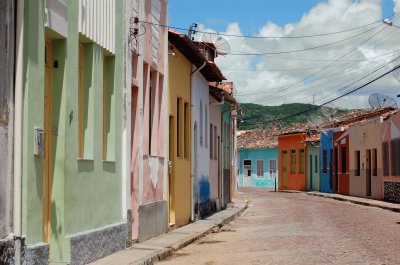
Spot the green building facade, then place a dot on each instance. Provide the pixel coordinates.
(72, 120)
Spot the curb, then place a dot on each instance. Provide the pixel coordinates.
(164, 253)
(370, 204)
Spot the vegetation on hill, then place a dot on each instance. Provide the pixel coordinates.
(259, 116)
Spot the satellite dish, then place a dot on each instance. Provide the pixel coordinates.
(329, 111)
(380, 101)
(221, 45)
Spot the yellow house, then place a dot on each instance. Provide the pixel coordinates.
(180, 69)
(184, 60)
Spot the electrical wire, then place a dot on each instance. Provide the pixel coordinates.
(348, 62)
(296, 84)
(269, 37)
(343, 95)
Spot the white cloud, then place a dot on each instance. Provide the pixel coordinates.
(279, 87)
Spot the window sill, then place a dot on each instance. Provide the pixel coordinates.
(86, 159)
(109, 161)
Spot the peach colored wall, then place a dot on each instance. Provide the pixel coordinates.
(389, 133)
(296, 181)
(215, 175)
(363, 137)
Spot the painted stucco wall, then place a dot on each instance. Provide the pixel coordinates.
(201, 159)
(326, 181)
(147, 118)
(391, 182)
(363, 137)
(85, 193)
(7, 9)
(297, 180)
(341, 175)
(267, 180)
(226, 153)
(313, 168)
(179, 84)
(215, 174)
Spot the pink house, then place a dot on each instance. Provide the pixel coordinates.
(146, 120)
(390, 157)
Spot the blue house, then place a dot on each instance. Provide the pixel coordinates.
(326, 181)
(258, 158)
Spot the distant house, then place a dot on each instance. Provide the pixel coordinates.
(313, 164)
(365, 150)
(390, 157)
(326, 161)
(258, 158)
(336, 158)
(219, 98)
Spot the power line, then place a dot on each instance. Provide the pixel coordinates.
(341, 96)
(299, 50)
(282, 89)
(307, 68)
(268, 37)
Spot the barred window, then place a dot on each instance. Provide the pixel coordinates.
(260, 168)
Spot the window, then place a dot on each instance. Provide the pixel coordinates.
(358, 161)
(215, 143)
(374, 162)
(108, 109)
(385, 156)
(260, 168)
(395, 157)
(85, 103)
(292, 161)
(186, 130)
(344, 159)
(316, 164)
(178, 127)
(272, 168)
(80, 101)
(302, 161)
(325, 161)
(211, 141)
(247, 168)
(201, 123)
(153, 105)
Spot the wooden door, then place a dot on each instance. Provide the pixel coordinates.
(368, 171)
(171, 171)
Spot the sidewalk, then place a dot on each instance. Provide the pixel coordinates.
(158, 248)
(363, 201)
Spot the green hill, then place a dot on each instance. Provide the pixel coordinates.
(259, 116)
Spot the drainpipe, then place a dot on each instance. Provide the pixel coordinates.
(191, 179)
(18, 128)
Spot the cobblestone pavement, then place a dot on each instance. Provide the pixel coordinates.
(295, 228)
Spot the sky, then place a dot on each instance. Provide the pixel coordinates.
(305, 70)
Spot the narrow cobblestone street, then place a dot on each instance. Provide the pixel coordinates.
(295, 228)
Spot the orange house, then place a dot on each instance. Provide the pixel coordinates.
(341, 176)
(292, 161)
